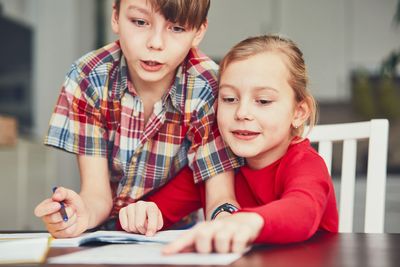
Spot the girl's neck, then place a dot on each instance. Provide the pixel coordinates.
(269, 157)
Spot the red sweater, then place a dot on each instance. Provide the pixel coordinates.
(294, 195)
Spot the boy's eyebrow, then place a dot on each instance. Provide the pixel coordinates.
(140, 9)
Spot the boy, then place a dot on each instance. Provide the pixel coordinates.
(136, 112)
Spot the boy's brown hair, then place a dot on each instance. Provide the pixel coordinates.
(188, 13)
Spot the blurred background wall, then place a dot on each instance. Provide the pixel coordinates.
(41, 38)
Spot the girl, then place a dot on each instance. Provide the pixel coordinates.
(284, 189)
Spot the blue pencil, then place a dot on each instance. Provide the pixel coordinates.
(62, 210)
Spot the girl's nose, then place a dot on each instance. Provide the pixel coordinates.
(243, 112)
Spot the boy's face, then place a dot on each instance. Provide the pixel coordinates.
(153, 46)
(256, 108)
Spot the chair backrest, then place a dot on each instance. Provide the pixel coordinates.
(348, 133)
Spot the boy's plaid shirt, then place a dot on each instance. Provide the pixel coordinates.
(98, 113)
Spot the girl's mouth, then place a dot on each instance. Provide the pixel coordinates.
(245, 135)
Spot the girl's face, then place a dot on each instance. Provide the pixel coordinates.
(257, 108)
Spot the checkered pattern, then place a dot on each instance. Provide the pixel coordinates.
(98, 113)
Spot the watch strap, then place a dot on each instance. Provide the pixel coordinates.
(226, 207)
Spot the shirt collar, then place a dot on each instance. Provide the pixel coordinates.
(176, 92)
(177, 89)
(123, 75)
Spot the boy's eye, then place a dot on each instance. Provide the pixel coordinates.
(178, 29)
(263, 101)
(139, 22)
(229, 99)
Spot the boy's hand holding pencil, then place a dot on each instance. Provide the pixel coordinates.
(64, 214)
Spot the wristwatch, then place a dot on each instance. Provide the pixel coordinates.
(227, 207)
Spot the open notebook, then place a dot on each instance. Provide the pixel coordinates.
(116, 237)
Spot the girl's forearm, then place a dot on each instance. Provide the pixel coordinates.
(219, 190)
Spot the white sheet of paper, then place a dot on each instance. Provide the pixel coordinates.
(31, 250)
(116, 237)
(149, 253)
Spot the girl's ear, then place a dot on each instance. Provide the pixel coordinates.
(301, 114)
(114, 20)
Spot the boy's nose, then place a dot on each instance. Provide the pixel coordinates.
(156, 40)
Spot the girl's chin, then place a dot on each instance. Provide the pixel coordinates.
(243, 154)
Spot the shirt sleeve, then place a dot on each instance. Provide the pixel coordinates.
(209, 155)
(297, 214)
(179, 197)
(76, 123)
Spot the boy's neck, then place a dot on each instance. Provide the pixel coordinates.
(154, 90)
(148, 90)
(150, 93)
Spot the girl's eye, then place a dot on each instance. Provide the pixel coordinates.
(178, 29)
(263, 101)
(139, 22)
(229, 99)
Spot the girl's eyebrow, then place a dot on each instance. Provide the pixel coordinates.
(227, 85)
(262, 88)
(257, 88)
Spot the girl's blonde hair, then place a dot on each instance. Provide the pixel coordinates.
(294, 60)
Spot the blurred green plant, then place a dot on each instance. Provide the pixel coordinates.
(390, 63)
(388, 98)
(375, 96)
(362, 97)
(396, 18)
(379, 95)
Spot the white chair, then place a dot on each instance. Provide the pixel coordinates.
(348, 133)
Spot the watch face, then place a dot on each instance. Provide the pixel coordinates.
(229, 207)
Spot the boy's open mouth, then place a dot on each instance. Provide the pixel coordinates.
(150, 65)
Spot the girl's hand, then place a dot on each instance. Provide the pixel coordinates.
(231, 234)
(141, 217)
(49, 211)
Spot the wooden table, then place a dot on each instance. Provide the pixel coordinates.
(324, 249)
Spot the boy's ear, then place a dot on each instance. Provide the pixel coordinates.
(200, 34)
(301, 114)
(114, 20)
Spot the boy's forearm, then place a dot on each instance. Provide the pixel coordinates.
(95, 188)
(98, 208)
(220, 189)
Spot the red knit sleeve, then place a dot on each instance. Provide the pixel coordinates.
(306, 187)
(178, 198)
